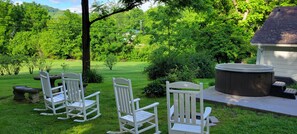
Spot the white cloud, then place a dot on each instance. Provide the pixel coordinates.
(75, 9)
(18, 2)
(55, 1)
(147, 5)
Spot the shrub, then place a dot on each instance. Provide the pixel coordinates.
(48, 66)
(162, 63)
(31, 63)
(3, 64)
(110, 61)
(293, 86)
(251, 60)
(201, 64)
(41, 64)
(11, 64)
(2, 70)
(93, 77)
(212, 83)
(5, 61)
(185, 74)
(185, 65)
(155, 89)
(64, 66)
(16, 63)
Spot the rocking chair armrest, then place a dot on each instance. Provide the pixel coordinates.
(55, 88)
(148, 106)
(136, 100)
(92, 95)
(57, 93)
(207, 112)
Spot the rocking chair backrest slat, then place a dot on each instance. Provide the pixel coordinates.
(124, 96)
(184, 107)
(73, 87)
(45, 82)
(187, 108)
(184, 101)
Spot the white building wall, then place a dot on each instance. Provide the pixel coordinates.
(283, 59)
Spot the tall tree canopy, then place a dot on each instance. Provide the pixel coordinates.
(219, 28)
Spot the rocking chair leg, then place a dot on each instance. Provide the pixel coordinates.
(156, 121)
(40, 109)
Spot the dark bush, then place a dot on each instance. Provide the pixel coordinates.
(251, 60)
(201, 63)
(183, 74)
(16, 63)
(212, 83)
(156, 88)
(93, 77)
(11, 64)
(185, 65)
(31, 63)
(162, 63)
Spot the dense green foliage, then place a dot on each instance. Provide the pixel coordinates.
(176, 66)
(222, 27)
(11, 64)
(156, 88)
(185, 66)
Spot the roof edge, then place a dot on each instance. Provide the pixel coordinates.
(274, 45)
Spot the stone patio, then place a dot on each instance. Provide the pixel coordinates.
(268, 103)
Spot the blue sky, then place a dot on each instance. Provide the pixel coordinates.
(72, 5)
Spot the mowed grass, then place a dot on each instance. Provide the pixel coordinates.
(19, 117)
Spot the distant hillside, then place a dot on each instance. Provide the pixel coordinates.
(53, 12)
(50, 9)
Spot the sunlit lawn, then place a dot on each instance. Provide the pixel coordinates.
(19, 117)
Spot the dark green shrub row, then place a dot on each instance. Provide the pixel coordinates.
(93, 77)
(11, 64)
(185, 65)
(176, 66)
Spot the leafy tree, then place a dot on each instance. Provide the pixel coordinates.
(23, 43)
(64, 31)
(35, 17)
(110, 61)
(6, 21)
(104, 12)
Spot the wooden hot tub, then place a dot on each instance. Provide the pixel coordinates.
(244, 79)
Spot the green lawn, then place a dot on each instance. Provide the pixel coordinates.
(19, 117)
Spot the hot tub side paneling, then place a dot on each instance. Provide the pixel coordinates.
(244, 83)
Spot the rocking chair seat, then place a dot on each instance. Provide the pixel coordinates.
(57, 98)
(140, 116)
(88, 103)
(179, 127)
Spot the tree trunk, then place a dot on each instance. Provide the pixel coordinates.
(85, 38)
(235, 5)
(245, 15)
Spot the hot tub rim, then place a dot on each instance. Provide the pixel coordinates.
(239, 68)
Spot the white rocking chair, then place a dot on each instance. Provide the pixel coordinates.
(77, 105)
(130, 116)
(53, 96)
(182, 115)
